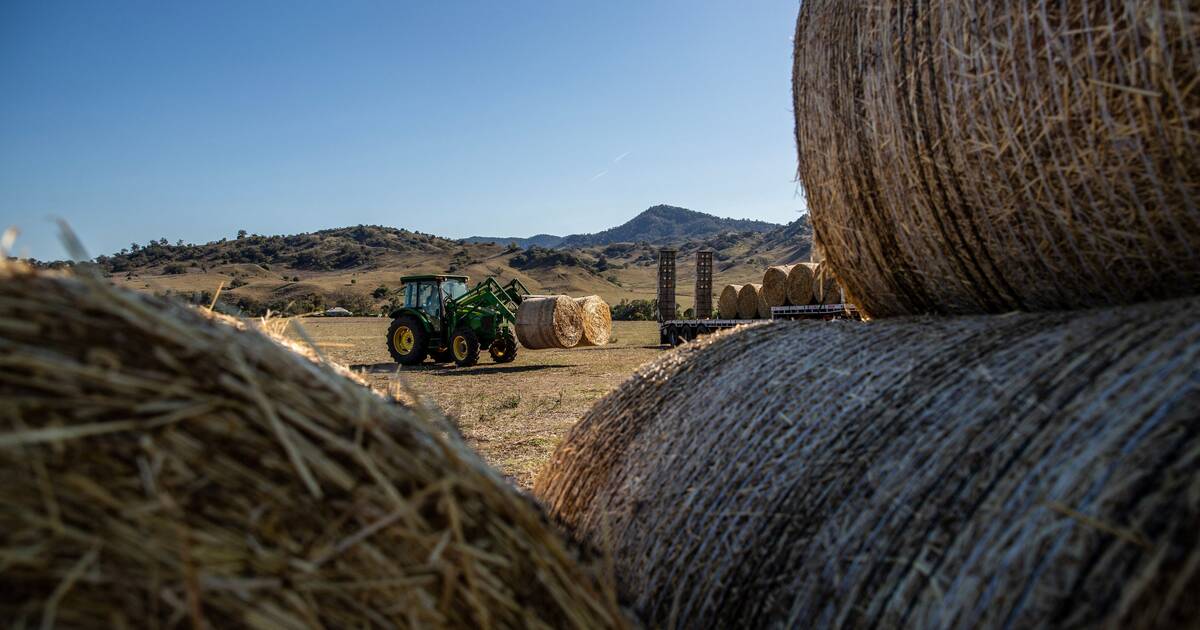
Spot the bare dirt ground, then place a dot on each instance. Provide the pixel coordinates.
(513, 414)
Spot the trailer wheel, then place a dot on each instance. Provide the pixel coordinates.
(464, 345)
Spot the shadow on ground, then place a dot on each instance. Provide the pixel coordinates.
(450, 370)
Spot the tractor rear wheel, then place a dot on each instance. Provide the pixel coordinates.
(464, 346)
(407, 340)
(504, 349)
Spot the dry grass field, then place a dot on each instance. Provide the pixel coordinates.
(513, 414)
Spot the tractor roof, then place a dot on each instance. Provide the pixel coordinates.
(407, 279)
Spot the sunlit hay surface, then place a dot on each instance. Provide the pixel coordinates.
(980, 156)
(800, 283)
(749, 300)
(595, 320)
(775, 285)
(162, 467)
(549, 321)
(1026, 470)
(727, 304)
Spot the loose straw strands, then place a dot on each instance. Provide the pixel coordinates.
(160, 464)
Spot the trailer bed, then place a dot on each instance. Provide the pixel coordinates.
(678, 331)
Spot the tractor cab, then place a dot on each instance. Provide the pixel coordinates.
(428, 294)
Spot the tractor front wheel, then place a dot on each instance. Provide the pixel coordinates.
(407, 340)
(504, 349)
(464, 346)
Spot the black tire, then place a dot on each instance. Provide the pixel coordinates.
(464, 346)
(504, 349)
(403, 350)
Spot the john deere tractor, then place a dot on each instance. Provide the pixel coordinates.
(444, 320)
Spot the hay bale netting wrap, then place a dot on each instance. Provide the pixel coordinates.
(596, 321)
(727, 305)
(552, 321)
(158, 464)
(976, 156)
(775, 285)
(749, 301)
(800, 283)
(1025, 470)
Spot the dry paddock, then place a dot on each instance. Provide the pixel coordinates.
(513, 414)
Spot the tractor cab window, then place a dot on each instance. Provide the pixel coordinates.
(424, 296)
(453, 289)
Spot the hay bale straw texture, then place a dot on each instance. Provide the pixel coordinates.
(750, 301)
(979, 156)
(1024, 471)
(596, 319)
(553, 321)
(775, 285)
(162, 467)
(826, 289)
(800, 283)
(727, 305)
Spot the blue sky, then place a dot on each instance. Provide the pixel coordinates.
(192, 120)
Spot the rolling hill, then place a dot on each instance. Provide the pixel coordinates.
(360, 267)
(537, 240)
(667, 225)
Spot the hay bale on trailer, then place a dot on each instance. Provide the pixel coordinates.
(595, 320)
(826, 289)
(750, 301)
(775, 285)
(552, 321)
(1025, 470)
(727, 305)
(160, 466)
(800, 283)
(967, 157)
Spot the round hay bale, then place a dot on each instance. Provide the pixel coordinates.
(1026, 470)
(727, 305)
(800, 283)
(549, 322)
(596, 319)
(826, 289)
(749, 300)
(775, 285)
(978, 156)
(161, 466)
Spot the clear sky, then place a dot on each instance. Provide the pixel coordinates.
(191, 120)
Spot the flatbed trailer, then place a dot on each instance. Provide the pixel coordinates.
(678, 331)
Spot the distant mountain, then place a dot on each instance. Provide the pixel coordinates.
(666, 224)
(537, 240)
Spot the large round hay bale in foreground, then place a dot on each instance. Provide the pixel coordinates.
(1027, 470)
(553, 321)
(727, 305)
(749, 300)
(160, 467)
(800, 283)
(775, 285)
(980, 156)
(596, 320)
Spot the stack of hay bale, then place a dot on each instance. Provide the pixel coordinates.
(1020, 470)
(161, 466)
(801, 284)
(559, 321)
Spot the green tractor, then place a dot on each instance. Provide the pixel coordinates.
(444, 320)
